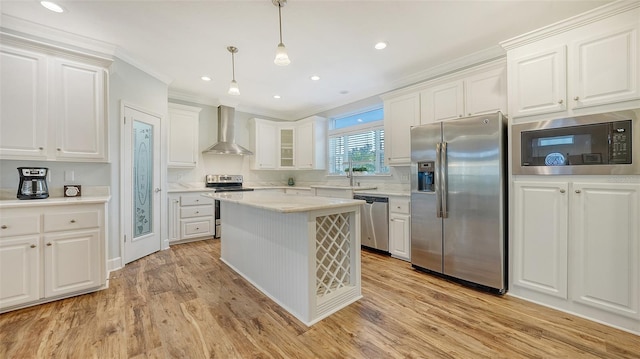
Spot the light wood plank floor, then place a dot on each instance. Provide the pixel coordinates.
(185, 303)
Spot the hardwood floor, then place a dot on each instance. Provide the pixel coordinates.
(185, 303)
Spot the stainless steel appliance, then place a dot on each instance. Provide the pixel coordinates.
(458, 200)
(374, 222)
(33, 183)
(600, 144)
(223, 183)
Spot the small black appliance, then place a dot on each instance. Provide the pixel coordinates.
(33, 183)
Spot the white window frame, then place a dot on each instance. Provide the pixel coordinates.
(352, 130)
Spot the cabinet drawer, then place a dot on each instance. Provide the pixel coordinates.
(197, 228)
(194, 200)
(71, 220)
(196, 211)
(399, 205)
(17, 226)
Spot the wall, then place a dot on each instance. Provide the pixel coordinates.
(132, 86)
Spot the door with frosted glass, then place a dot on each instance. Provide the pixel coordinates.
(141, 184)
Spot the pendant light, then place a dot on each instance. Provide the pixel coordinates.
(233, 88)
(282, 59)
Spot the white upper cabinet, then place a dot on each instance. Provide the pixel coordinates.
(53, 108)
(400, 113)
(479, 91)
(587, 64)
(184, 122)
(289, 145)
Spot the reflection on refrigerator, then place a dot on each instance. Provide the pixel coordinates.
(458, 200)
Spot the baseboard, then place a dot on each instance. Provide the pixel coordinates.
(114, 264)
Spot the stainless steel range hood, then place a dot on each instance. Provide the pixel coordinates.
(226, 144)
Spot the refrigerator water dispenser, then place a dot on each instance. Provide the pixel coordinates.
(425, 176)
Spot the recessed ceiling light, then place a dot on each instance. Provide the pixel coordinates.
(52, 6)
(315, 77)
(380, 45)
(276, 96)
(206, 78)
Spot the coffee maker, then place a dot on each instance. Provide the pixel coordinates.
(33, 183)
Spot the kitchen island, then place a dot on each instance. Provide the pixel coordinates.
(301, 251)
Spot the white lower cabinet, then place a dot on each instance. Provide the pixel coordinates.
(576, 246)
(399, 228)
(191, 216)
(51, 252)
(298, 191)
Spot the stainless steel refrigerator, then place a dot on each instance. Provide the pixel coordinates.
(458, 200)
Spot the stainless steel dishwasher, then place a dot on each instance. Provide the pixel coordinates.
(374, 222)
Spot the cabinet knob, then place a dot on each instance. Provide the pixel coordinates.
(4, 226)
(459, 115)
(58, 149)
(469, 113)
(73, 221)
(32, 246)
(398, 207)
(41, 148)
(578, 191)
(49, 244)
(197, 212)
(576, 98)
(560, 102)
(561, 191)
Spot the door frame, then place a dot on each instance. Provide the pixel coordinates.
(126, 182)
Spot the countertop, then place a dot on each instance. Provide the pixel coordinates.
(383, 192)
(284, 203)
(53, 201)
(354, 188)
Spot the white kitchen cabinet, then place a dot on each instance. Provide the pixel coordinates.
(53, 108)
(311, 143)
(49, 252)
(540, 237)
(191, 217)
(298, 191)
(265, 149)
(399, 228)
(400, 113)
(606, 246)
(587, 64)
(332, 192)
(477, 91)
(184, 122)
(286, 142)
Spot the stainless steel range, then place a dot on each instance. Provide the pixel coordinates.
(224, 183)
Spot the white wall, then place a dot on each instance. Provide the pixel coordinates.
(132, 86)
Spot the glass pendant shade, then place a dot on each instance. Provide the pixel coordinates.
(282, 59)
(233, 88)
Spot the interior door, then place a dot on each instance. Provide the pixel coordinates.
(141, 171)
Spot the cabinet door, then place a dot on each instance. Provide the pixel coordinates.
(72, 262)
(19, 270)
(265, 145)
(443, 102)
(184, 122)
(538, 83)
(78, 111)
(606, 246)
(399, 236)
(23, 104)
(174, 218)
(486, 93)
(399, 115)
(540, 237)
(605, 69)
(304, 145)
(286, 140)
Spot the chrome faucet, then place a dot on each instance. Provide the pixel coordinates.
(350, 173)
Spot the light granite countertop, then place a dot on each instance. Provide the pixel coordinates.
(284, 203)
(53, 201)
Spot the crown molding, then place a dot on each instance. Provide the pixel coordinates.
(122, 55)
(571, 23)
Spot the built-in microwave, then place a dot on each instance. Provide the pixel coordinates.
(602, 144)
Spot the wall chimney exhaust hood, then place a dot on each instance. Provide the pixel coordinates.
(226, 144)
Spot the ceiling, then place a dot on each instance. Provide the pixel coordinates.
(180, 41)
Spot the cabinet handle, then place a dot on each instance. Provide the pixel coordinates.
(578, 191)
(73, 221)
(576, 98)
(49, 244)
(561, 191)
(32, 246)
(4, 226)
(560, 102)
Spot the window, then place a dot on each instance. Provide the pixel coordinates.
(357, 138)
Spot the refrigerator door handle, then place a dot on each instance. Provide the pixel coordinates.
(443, 180)
(438, 180)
